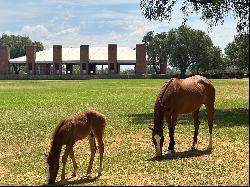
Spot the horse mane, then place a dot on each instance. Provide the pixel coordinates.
(159, 107)
(163, 89)
(58, 127)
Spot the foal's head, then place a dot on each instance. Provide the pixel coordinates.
(158, 139)
(52, 168)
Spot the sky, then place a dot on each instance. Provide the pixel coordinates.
(95, 22)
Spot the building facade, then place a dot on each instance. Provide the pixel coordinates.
(59, 60)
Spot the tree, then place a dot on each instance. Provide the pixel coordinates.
(237, 52)
(148, 39)
(213, 11)
(161, 49)
(156, 49)
(188, 48)
(213, 62)
(216, 59)
(17, 46)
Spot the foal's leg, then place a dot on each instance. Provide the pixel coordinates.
(101, 151)
(72, 156)
(210, 119)
(171, 128)
(64, 160)
(196, 127)
(92, 152)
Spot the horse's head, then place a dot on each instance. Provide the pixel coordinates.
(52, 168)
(158, 139)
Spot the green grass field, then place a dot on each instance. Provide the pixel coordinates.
(30, 110)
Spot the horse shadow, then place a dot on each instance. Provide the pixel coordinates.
(69, 181)
(222, 117)
(184, 154)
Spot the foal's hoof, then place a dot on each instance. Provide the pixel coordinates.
(87, 175)
(209, 148)
(74, 172)
(98, 174)
(170, 152)
(193, 147)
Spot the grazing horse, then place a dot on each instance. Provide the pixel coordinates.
(73, 128)
(182, 96)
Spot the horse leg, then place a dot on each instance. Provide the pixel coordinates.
(64, 160)
(196, 126)
(72, 156)
(171, 128)
(101, 152)
(210, 119)
(92, 152)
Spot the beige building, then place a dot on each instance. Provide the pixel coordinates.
(59, 60)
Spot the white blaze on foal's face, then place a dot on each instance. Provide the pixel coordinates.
(158, 141)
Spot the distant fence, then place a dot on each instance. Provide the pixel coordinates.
(73, 77)
(116, 76)
(226, 75)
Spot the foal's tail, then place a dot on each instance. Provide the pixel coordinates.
(103, 126)
(97, 123)
(98, 126)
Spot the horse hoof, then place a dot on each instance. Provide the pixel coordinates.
(87, 175)
(98, 174)
(209, 148)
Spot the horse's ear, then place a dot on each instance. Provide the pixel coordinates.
(151, 128)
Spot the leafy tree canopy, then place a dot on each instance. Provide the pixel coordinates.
(18, 43)
(156, 49)
(237, 52)
(189, 47)
(212, 11)
(183, 48)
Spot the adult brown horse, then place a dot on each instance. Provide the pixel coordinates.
(73, 128)
(182, 96)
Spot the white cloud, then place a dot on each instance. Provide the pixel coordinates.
(127, 28)
(67, 14)
(91, 2)
(37, 30)
(223, 34)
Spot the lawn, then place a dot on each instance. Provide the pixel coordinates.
(30, 110)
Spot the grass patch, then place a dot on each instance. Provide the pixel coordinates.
(30, 110)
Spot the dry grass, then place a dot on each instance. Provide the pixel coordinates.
(28, 117)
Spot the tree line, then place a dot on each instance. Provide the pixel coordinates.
(187, 49)
(17, 46)
(183, 48)
(18, 43)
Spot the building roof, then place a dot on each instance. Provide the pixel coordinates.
(98, 55)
